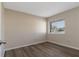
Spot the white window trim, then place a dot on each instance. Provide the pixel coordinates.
(57, 33)
(54, 32)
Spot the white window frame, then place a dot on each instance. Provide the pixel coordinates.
(55, 32)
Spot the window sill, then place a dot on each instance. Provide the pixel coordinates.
(56, 33)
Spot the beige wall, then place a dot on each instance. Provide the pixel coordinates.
(23, 29)
(0, 29)
(2, 33)
(0, 19)
(71, 36)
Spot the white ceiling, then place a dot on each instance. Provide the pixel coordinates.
(43, 9)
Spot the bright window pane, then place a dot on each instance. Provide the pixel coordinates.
(57, 26)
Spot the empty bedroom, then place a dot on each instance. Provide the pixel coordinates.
(39, 29)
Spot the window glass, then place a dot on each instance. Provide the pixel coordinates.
(57, 26)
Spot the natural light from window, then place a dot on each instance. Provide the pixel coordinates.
(57, 26)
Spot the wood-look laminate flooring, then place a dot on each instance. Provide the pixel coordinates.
(43, 50)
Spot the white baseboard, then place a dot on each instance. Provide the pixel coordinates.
(42, 42)
(76, 48)
(25, 45)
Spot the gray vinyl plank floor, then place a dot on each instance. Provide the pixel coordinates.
(43, 50)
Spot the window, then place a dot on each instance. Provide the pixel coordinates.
(57, 26)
